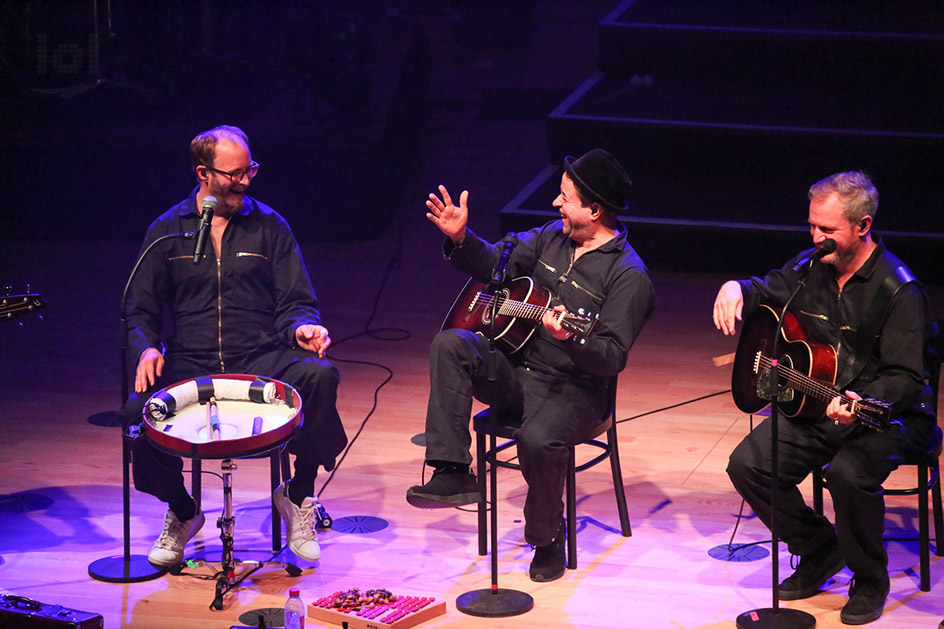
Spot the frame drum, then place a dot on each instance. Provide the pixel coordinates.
(253, 415)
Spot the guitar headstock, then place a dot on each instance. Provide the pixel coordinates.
(876, 414)
(20, 305)
(579, 325)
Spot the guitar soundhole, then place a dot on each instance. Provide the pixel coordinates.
(501, 296)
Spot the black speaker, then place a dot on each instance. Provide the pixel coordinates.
(19, 612)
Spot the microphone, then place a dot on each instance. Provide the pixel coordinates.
(498, 273)
(822, 249)
(209, 206)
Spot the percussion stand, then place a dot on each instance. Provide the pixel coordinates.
(227, 578)
(776, 617)
(128, 568)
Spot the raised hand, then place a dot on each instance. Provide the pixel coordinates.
(450, 219)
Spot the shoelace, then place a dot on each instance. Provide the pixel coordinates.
(304, 521)
(170, 536)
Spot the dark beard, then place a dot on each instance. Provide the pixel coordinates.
(844, 257)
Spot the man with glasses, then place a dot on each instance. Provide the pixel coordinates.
(245, 306)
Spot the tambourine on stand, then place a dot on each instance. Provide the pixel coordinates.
(225, 416)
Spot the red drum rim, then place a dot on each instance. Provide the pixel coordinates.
(239, 447)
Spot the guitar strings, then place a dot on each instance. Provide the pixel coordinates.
(511, 307)
(805, 384)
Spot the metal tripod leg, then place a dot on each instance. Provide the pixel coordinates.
(229, 575)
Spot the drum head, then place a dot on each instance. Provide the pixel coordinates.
(222, 416)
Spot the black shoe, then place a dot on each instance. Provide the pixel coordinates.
(814, 570)
(549, 562)
(866, 600)
(449, 487)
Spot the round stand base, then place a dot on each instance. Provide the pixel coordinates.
(497, 603)
(121, 569)
(269, 617)
(781, 618)
(738, 553)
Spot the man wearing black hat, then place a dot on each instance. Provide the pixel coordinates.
(557, 382)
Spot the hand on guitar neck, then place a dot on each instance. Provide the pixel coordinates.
(552, 320)
(843, 409)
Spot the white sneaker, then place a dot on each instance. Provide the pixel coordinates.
(168, 550)
(300, 522)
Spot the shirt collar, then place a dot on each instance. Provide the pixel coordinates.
(616, 243)
(868, 269)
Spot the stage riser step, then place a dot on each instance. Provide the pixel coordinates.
(762, 238)
(826, 43)
(728, 173)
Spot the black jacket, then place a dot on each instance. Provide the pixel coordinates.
(255, 297)
(891, 364)
(611, 280)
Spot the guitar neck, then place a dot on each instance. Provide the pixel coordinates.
(512, 308)
(808, 386)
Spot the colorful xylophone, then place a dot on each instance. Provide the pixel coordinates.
(375, 612)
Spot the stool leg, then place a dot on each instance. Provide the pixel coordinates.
(571, 490)
(612, 440)
(483, 492)
(818, 491)
(196, 482)
(275, 476)
(923, 533)
(938, 512)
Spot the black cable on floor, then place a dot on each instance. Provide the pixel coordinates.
(379, 334)
(667, 408)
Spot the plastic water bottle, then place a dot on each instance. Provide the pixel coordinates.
(294, 611)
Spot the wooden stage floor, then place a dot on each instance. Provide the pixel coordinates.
(61, 509)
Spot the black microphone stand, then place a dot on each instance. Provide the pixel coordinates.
(494, 602)
(128, 568)
(775, 617)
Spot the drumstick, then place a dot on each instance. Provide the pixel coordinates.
(213, 417)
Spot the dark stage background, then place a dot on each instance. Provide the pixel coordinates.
(723, 112)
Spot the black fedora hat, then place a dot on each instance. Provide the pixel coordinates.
(599, 176)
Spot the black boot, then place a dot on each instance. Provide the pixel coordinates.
(549, 562)
(866, 600)
(452, 485)
(812, 572)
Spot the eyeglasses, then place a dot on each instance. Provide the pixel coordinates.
(237, 175)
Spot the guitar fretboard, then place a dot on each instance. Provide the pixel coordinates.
(509, 307)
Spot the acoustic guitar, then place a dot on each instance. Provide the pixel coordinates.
(807, 371)
(519, 307)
